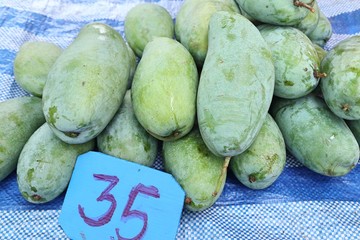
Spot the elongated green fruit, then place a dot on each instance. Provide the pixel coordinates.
(295, 58)
(341, 86)
(236, 84)
(32, 65)
(86, 84)
(196, 169)
(278, 12)
(125, 138)
(192, 24)
(315, 136)
(19, 119)
(263, 162)
(45, 165)
(164, 89)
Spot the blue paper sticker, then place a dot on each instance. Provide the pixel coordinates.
(111, 198)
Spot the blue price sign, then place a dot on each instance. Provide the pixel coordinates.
(110, 198)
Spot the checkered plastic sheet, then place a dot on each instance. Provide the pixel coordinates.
(300, 205)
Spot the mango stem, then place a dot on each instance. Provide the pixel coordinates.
(318, 74)
(222, 176)
(302, 4)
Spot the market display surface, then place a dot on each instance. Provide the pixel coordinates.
(302, 199)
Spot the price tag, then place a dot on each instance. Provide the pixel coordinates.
(110, 198)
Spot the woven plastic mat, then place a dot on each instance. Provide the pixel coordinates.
(299, 205)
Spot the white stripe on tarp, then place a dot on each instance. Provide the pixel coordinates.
(86, 11)
(12, 38)
(335, 7)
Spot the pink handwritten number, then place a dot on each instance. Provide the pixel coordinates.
(140, 188)
(104, 196)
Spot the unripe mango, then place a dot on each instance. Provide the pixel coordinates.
(263, 162)
(236, 84)
(86, 84)
(192, 23)
(295, 58)
(315, 136)
(144, 22)
(164, 89)
(341, 85)
(32, 65)
(45, 165)
(198, 171)
(19, 118)
(278, 12)
(125, 138)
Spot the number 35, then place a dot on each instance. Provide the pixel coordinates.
(127, 212)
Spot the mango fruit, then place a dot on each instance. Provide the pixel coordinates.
(144, 22)
(20, 117)
(263, 162)
(278, 12)
(341, 85)
(192, 23)
(125, 138)
(32, 65)
(236, 85)
(164, 89)
(295, 58)
(46, 164)
(315, 136)
(309, 23)
(323, 30)
(196, 169)
(86, 84)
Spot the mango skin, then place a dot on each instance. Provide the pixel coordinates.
(309, 23)
(354, 126)
(236, 85)
(144, 22)
(45, 165)
(125, 138)
(164, 89)
(315, 136)
(195, 168)
(32, 65)
(263, 162)
(86, 84)
(322, 32)
(295, 59)
(192, 23)
(19, 119)
(276, 12)
(341, 86)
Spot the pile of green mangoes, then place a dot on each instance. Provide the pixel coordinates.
(230, 85)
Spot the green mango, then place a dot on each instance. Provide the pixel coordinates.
(133, 65)
(144, 22)
(315, 136)
(341, 85)
(125, 138)
(86, 84)
(192, 23)
(295, 58)
(323, 31)
(32, 65)
(164, 89)
(19, 119)
(263, 162)
(236, 85)
(354, 126)
(198, 171)
(309, 23)
(46, 164)
(321, 52)
(278, 12)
